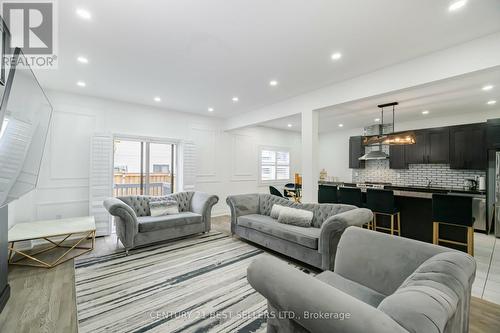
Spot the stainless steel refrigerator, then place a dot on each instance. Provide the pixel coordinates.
(494, 190)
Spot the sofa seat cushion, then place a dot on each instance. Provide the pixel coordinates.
(356, 290)
(153, 223)
(307, 237)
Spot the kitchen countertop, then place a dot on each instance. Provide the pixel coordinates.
(420, 191)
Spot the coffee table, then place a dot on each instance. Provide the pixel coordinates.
(55, 232)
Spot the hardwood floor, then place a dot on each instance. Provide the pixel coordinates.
(44, 300)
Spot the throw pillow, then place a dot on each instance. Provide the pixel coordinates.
(275, 211)
(164, 207)
(294, 216)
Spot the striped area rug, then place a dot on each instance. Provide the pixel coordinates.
(192, 285)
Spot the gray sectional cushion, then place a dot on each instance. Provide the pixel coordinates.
(365, 294)
(150, 223)
(164, 207)
(307, 237)
(293, 216)
(321, 212)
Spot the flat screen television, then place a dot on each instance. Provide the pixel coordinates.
(25, 114)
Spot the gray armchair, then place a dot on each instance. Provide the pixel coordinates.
(136, 227)
(381, 283)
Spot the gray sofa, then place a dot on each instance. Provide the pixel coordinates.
(316, 246)
(385, 283)
(135, 226)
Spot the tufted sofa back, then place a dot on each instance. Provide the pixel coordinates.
(320, 211)
(140, 203)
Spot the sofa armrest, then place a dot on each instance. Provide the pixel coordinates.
(333, 227)
(242, 204)
(202, 204)
(125, 215)
(304, 297)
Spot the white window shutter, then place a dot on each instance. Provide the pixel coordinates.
(188, 166)
(101, 181)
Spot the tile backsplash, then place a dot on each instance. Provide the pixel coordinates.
(416, 175)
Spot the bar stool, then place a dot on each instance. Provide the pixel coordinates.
(455, 211)
(381, 202)
(327, 194)
(353, 196)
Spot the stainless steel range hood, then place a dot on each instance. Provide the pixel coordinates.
(374, 155)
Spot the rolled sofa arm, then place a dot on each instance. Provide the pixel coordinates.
(333, 227)
(242, 204)
(125, 215)
(313, 304)
(202, 203)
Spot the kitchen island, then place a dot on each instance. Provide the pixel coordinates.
(415, 206)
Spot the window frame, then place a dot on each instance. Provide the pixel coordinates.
(275, 149)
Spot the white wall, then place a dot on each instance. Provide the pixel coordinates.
(334, 146)
(227, 161)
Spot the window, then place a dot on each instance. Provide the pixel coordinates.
(274, 165)
(144, 167)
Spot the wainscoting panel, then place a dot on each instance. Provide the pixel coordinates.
(244, 158)
(206, 154)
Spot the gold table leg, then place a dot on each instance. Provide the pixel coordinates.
(45, 264)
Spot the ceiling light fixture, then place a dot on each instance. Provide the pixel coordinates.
(81, 84)
(341, 125)
(273, 83)
(157, 99)
(393, 138)
(377, 120)
(491, 102)
(457, 5)
(487, 87)
(210, 109)
(84, 14)
(235, 99)
(83, 60)
(336, 56)
(425, 112)
(289, 125)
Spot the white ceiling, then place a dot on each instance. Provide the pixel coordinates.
(455, 96)
(196, 54)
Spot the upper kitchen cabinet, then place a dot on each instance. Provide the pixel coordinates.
(468, 147)
(432, 146)
(493, 133)
(397, 158)
(356, 150)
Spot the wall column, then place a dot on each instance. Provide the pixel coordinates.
(310, 157)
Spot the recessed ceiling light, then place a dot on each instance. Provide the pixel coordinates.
(210, 109)
(341, 125)
(377, 120)
(491, 102)
(81, 84)
(336, 56)
(457, 5)
(273, 83)
(235, 99)
(157, 99)
(289, 125)
(83, 13)
(83, 60)
(487, 87)
(425, 112)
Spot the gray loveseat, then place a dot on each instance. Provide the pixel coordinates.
(384, 283)
(316, 246)
(135, 226)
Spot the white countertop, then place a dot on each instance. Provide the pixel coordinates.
(51, 228)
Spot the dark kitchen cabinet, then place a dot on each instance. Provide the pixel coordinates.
(397, 157)
(356, 150)
(438, 145)
(432, 147)
(416, 153)
(468, 147)
(493, 133)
